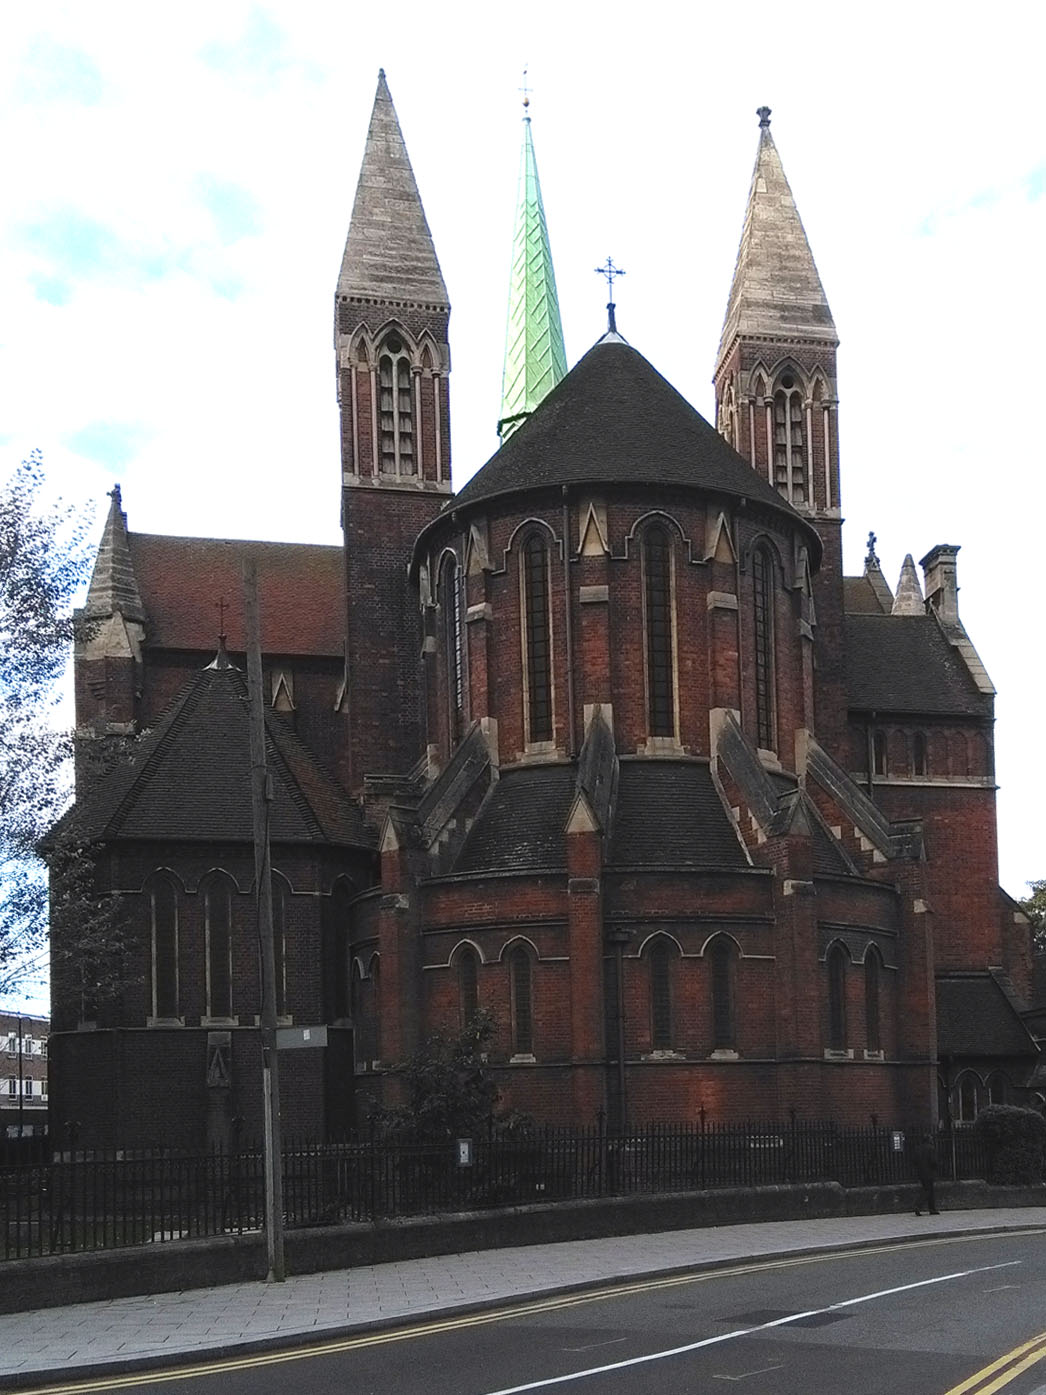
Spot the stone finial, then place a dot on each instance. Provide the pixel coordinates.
(763, 114)
(909, 597)
(872, 559)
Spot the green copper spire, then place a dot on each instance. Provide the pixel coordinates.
(535, 359)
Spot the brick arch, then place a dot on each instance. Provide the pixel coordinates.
(522, 531)
(514, 943)
(654, 935)
(461, 947)
(651, 518)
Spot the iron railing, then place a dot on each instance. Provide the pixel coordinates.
(85, 1201)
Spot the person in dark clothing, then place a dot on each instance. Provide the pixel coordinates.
(925, 1160)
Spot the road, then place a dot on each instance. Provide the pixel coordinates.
(936, 1317)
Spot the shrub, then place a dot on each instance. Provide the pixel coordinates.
(1015, 1141)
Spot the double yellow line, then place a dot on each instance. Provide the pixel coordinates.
(1000, 1372)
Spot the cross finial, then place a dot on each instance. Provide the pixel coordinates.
(114, 495)
(871, 560)
(526, 92)
(763, 114)
(610, 271)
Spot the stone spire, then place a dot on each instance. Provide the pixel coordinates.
(535, 359)
(776, 291)
(909, 597)
(114, 586)
(389, 252)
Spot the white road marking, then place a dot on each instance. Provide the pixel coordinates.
(763, 1371)
(613, 1342)
(748, 1331)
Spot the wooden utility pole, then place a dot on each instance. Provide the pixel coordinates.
(261, 804)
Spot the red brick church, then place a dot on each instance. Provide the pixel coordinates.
(605, 743)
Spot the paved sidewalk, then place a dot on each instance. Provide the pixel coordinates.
(160, 1328)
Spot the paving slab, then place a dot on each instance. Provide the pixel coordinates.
(49, 1344)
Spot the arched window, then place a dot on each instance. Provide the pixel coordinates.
(519, 968)
(660, 957)
(537, 639)
(450, 603)
(879, 752)
(346, 974)
(217, 912)
(722, 956)
(920, 758)
(763, 634)
(789, 442)
(837, 963)
(279, 942)
(468, 984)
(872, 982)
(163, 904)
(657, 596)
(967, 1092)
(374, 1016)
(396, 410)
(998, 1089)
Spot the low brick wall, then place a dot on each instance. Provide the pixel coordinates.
(186, 1264)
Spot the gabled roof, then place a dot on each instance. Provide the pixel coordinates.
(776, 291)
(614, 420)
(535, 359)
(389, 254)
(976, 1018)
(190, 778)
(905, 663)
(300, 593)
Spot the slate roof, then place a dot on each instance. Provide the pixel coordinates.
(859, 597)
(614, 420)
(670, 815)
(975, 1018)
(520, 826)
(904, 663)
(300, 593)
(189, 779)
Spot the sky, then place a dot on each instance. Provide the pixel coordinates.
(178, 189)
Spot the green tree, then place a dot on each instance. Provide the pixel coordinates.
(43, 561)
(1034, 907)
(450, 1090)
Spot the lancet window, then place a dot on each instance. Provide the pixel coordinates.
(790, 463)
(163, 899)
(660, 958)
(396, 409)
(763, 636)
(872, 979)
(217, 902)
(522, 1002)
(451, 601)
(537, 639)
(657, 579)
(723, 964)
(468, 984)
(837, 963)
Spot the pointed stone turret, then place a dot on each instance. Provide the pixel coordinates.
(535, 360)
(114, 586)
(109, 636)
(389, 250)
(909, 597)
(776, 290)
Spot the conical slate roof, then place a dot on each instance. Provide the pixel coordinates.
(190, 779)
(535, 359)
(776, 291)
(389, 254)
(614, 420)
